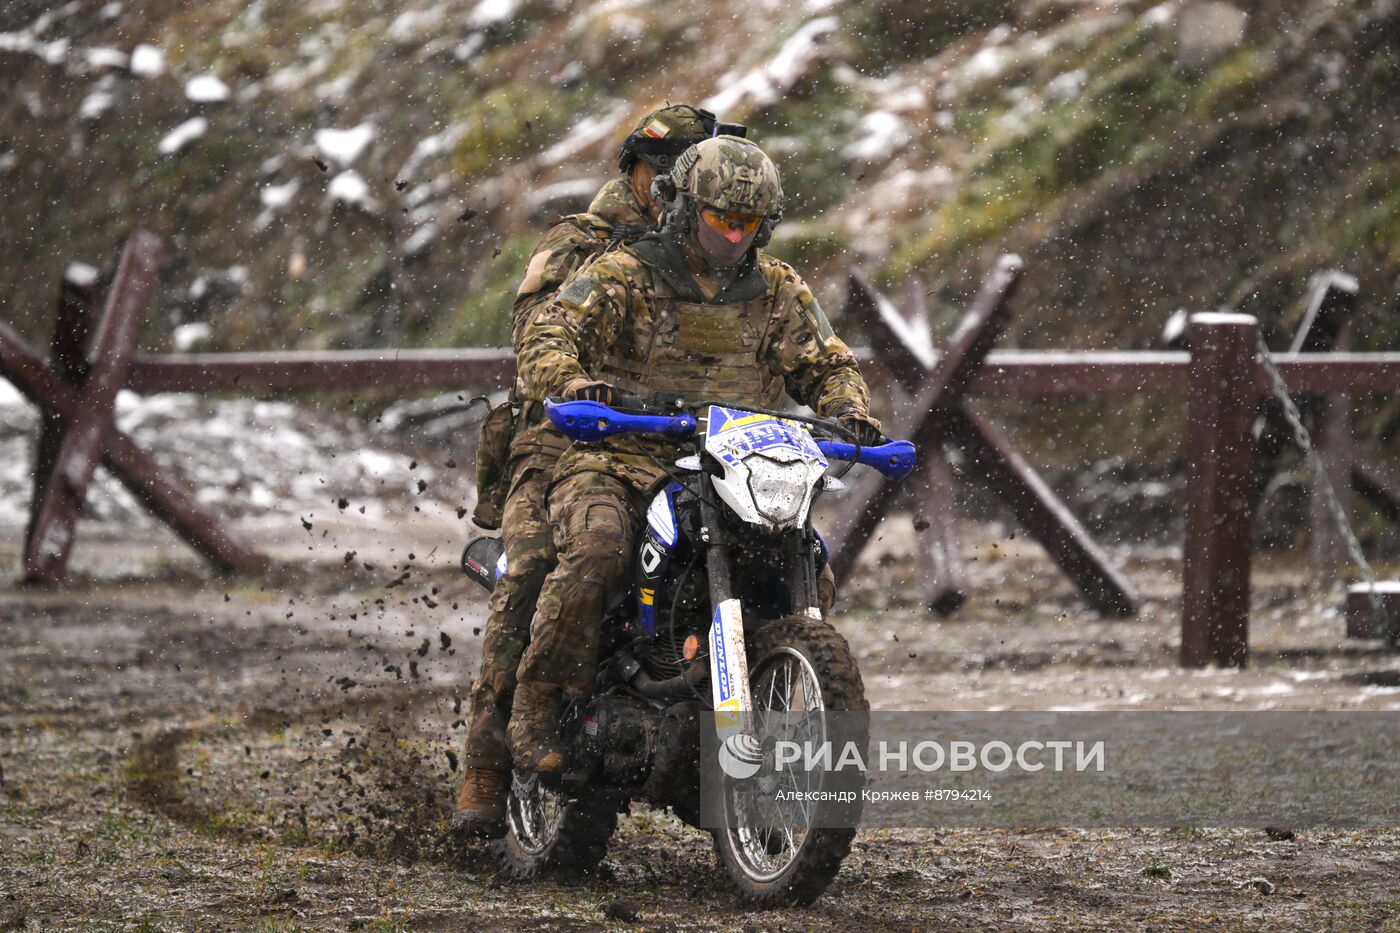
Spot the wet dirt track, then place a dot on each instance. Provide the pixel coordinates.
(186, 753)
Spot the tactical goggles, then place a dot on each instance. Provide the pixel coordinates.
(730, 223)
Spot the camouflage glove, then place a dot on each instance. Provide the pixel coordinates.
(865, 428)
(600, 392)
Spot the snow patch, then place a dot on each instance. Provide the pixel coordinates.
(9, 395)
(881, 134)
(350, 189)
(1159, 14)
(345, 146)
(469, 46)
(986, 63)
(147, 61)
(53, 53)
(96, 103)
(551, 198)
(1063, 87)
(422, 240)
(411, 25)
(187, 336)
(430, 147)
(489, 13)
(103, 58)
(276, 197)
(766, 83)
(80, 274)
(206, 89)
(587, 132)
(184, 134)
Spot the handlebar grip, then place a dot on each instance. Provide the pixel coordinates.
(594, 421)
(895, 459)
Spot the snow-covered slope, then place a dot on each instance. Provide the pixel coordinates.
(355, 172)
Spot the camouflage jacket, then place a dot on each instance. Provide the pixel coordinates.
(616, 296)
(558, 254)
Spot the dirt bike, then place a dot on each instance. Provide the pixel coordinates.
(721, 624)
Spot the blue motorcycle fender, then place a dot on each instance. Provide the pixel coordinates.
(654, 555)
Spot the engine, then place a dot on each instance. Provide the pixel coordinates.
(653, 752)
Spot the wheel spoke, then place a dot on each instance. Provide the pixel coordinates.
(767, 839)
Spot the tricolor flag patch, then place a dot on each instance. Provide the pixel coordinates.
(656, 129)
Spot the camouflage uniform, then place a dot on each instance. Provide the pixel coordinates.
(634, 317)
(534, 448)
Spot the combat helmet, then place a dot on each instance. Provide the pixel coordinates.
(726, 187)
(662, 135)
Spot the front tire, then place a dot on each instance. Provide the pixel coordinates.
(795, 664)
(551, 833)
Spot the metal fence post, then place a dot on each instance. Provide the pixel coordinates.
(1221, 401)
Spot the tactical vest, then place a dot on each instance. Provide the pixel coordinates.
(696, 347)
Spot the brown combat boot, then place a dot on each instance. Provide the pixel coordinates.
(481, 803)
(533, 732)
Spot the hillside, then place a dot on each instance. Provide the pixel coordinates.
(338, 173)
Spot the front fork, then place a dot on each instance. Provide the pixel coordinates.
(729, 665)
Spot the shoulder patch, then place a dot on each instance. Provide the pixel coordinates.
(816, 319)
(578, 289)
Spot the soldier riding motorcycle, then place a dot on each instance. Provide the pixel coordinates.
(721, 622)
(699, 314)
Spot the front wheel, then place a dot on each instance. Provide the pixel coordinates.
(797, 665)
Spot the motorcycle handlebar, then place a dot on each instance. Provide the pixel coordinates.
(593, 421)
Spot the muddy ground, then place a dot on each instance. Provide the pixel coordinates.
(182, 752)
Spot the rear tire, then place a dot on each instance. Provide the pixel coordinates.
(553, 834)
(794, 644)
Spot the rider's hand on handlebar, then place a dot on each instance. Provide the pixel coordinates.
(866, 430)
(600, 392)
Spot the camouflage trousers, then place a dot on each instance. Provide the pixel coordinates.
(529, 549)
(596, 520)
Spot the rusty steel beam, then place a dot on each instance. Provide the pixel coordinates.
(911, 355)
(1008, 474)
(85, 431)
(1326, 326)
(68, 353)
(1330, 301)
(1335, 444)
(1378, 485)
(137, 471)
(1018, 373)
(972, 341)
(865, 503)
(928, 496)
(994, 461)
(1363, 619)
(330, 369)
(1005, 373)
(1219, 490)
